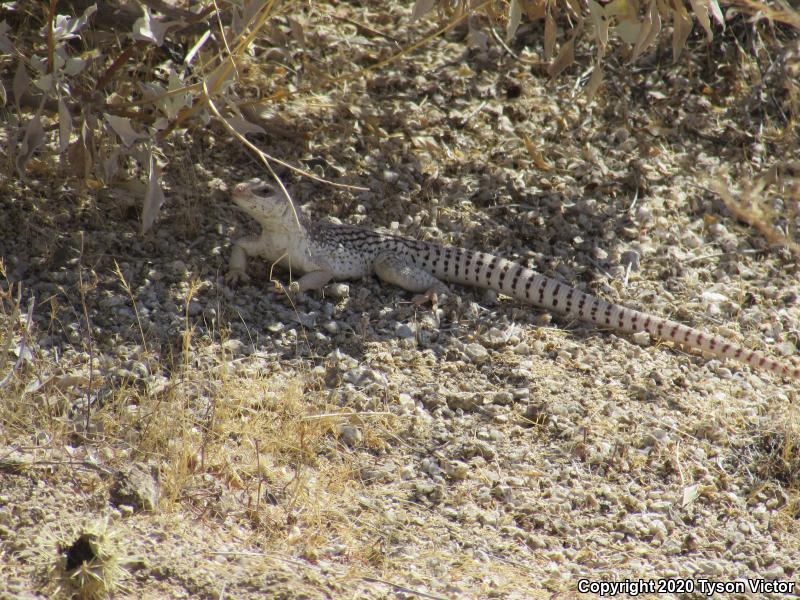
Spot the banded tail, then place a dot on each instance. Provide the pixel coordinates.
(465, 267)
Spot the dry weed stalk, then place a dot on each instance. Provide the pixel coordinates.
(13, 302)
(779, 11)
(751, 208)
(126, 286)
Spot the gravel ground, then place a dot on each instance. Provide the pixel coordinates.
(222, 442)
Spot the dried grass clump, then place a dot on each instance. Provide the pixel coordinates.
(87, 563)
(752, 205)
(780, 448)
(266, 450)
(634, 26)
(16, 355)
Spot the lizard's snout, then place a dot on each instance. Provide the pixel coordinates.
(250, 187)
(240, 189)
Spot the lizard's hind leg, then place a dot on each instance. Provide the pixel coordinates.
(397, 271)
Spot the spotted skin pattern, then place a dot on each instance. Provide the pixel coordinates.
(326, 252)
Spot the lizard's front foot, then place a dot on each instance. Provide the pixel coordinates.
(292, 291)
(235, 276)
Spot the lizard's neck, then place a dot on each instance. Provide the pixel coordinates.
(290, 221)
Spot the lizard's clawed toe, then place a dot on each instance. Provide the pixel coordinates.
(431, 295)
(234, 277)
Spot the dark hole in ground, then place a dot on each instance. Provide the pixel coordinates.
(79, 553)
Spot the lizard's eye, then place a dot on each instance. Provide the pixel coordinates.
(256, 185)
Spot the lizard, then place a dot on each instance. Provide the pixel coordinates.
(323, 252)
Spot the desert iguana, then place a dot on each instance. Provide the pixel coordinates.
(324, 252)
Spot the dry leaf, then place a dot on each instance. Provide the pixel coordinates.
(514, 19)
(566, 57)
(33, 140)
(701, 12)
(536, 156)
(535, 9)
(594, 82)
(421, 8)
(629, 30)
(67, 28)
(714, 8)
(154, 196)
(148, 29)
(243, 126)
(64, 125)
(600, 21)
(549, 36)
(243, 19)
(655, 29)
(221, 77)
(682, 27)
(297, 31)
(690, 494)
(122, 127)
(626, 9)
(20, 84)
(173, 103)
(5, 42)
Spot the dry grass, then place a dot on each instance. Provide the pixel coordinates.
(264, 450)
(261, 451)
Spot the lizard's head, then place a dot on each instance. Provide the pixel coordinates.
(261, 201)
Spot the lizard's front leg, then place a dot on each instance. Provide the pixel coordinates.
(314, 280)
(237, 266)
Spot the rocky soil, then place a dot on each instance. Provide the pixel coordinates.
(225, 442)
